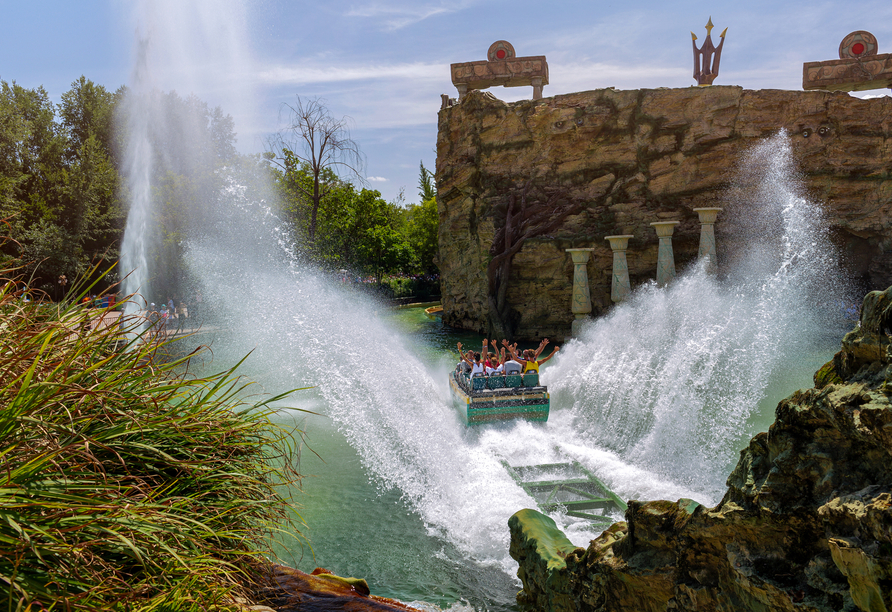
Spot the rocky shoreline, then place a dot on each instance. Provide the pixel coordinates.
(806, 522)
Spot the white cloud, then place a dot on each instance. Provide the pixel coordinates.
(376, 179)
(398, 16)
(302, 73)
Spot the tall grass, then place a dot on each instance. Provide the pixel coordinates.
(126, 483)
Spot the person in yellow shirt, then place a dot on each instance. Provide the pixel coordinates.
(530, 360)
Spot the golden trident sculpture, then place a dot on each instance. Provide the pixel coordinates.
(703, 73)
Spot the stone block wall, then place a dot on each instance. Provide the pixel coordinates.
(632, 157)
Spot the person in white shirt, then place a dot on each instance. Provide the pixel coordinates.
(477, 367)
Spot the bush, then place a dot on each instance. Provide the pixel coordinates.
(127, 482)
(421, 287)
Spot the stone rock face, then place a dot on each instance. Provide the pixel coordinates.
(291, 590)
(628, 158)
(806, 523)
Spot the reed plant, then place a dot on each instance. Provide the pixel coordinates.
(126, 481)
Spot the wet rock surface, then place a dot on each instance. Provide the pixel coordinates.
(806, 522)
(291, 590)
(627, 158)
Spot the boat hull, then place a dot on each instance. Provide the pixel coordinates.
(491, 399)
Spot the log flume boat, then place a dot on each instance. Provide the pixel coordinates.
(500, 397)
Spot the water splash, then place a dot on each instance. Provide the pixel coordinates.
(657, 397)
(391, 408)
(140, 231)
(671, 379)
(200, 45)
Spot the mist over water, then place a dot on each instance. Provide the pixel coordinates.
(670, 380)
(198, 45)
(658, 397)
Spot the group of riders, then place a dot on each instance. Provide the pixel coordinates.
(503, 361)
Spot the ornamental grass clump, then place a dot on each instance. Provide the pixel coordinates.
(127, 483)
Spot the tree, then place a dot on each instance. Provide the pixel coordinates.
(58, 184)
(88, 110)
(522, 215)
(426, 187)
(421, 227)
(191, 145)
(381, 245)
(316, 140)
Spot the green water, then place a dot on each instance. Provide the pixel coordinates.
(357, 528)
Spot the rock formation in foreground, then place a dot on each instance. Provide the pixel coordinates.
(519, 183)
(291, 590)
(806, 523)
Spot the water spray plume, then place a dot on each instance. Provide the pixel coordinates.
(670, 380)
(657, 397)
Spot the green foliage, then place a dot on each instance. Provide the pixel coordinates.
(58, 181)
(321, 147)
(422, 224)
(127, 483)
(193, 145)
(420, 288)
(87, 111)
(63, 187)
(426, 188)
(62, 171)
(358, 230)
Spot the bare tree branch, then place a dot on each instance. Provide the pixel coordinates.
(315, 139)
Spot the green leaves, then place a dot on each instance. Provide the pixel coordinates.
(58, 183)
(126, 483)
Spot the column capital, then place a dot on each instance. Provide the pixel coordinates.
(665, 228)
(619, 242)
(707, 215)
(580, 256)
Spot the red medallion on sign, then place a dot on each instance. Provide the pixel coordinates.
(500, 51)
(858, 45)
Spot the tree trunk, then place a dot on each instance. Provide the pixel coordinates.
(316, 199)
(523, 220)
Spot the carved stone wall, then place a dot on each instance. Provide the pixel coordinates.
(634, 157)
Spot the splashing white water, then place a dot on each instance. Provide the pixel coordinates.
(658, 397)
(670, 379)
(196, 45)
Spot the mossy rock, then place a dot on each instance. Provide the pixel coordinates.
(827, 375)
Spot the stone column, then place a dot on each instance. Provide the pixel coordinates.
(462, 90)
(582, 301)
(707, 236)
(536, 82)
(665, 256)
(620, 287)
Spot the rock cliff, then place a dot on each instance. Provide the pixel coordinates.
(806, 523)
(524, 181)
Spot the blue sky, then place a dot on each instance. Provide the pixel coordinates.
(385, 63)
